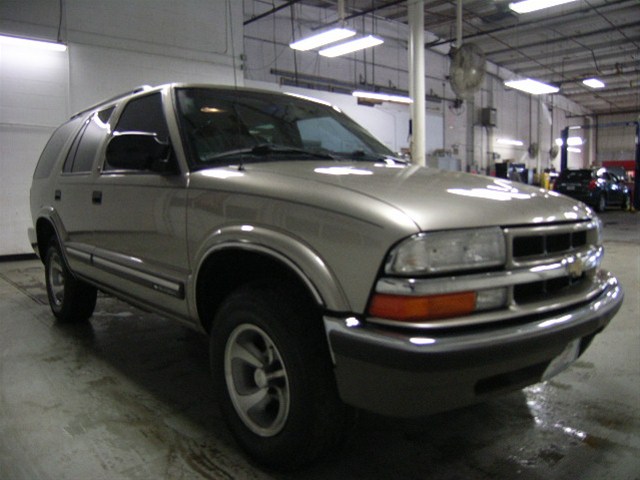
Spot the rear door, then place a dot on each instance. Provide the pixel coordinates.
(74, 210)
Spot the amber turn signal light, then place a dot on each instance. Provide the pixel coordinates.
(415, 309)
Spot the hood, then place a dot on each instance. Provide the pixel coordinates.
(433, 199)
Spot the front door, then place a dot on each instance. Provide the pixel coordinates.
(139, 233)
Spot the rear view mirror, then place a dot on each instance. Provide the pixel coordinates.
(139, 151)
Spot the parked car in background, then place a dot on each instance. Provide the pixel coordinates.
(598, 188)
(326, 273)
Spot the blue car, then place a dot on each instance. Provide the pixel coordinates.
(597, 188)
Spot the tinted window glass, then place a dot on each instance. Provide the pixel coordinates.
(52, 150)
(144, 115)
(326, 133)
(93, 135)
(68, 163)
(105, 115)
(217, 123)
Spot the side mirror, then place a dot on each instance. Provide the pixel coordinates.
(139, 151)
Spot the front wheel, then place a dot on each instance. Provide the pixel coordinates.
(70, 299)
(274, 379)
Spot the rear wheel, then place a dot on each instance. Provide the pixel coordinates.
(626, 203)
(274, 377)
(70, 299)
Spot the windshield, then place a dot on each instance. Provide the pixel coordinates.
(222, 126)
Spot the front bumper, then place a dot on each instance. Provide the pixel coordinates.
(412, 373)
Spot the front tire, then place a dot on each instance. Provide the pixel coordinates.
(274, 378)
(71, 300)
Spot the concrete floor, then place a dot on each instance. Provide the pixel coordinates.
(128, 396)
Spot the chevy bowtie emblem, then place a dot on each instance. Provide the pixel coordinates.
(575, 267)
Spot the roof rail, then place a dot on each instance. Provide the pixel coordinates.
(141, 88)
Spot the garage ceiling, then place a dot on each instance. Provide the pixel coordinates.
(561, 45)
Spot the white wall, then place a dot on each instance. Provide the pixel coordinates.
(34, 86)
(114, 45)
(616, 142)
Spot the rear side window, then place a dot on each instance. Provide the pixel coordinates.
(51, 151)
(85, 146)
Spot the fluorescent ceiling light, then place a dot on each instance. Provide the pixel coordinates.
(383, 97)
(593, 83)
(352, 46)
(571, 141)
(574, 150)
(532, 86)
(527, 6)
(507, 141)
(25, 42)
(322, 38)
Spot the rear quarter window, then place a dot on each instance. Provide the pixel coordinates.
(54, 147)
(85, 146)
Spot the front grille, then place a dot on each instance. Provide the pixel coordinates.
(535, 291)
(545, 245)
(538, 245)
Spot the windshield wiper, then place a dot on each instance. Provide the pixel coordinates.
(266, 149)
(373, 157)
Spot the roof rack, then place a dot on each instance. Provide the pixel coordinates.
(141, 88)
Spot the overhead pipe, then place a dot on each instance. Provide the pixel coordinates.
(558, 20)
(270, 12)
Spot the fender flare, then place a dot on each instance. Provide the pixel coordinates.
(300, 258)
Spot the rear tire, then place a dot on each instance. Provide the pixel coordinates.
(71, 300)
(274, 379)
(626, 203)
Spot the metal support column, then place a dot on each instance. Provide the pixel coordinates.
(416, 74)
(636, 180)
(564, 153)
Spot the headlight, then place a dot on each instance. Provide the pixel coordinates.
(442, 252)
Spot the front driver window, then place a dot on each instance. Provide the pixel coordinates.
(143, 115)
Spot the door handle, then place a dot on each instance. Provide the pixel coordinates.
(57, 195)
(96, 197)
